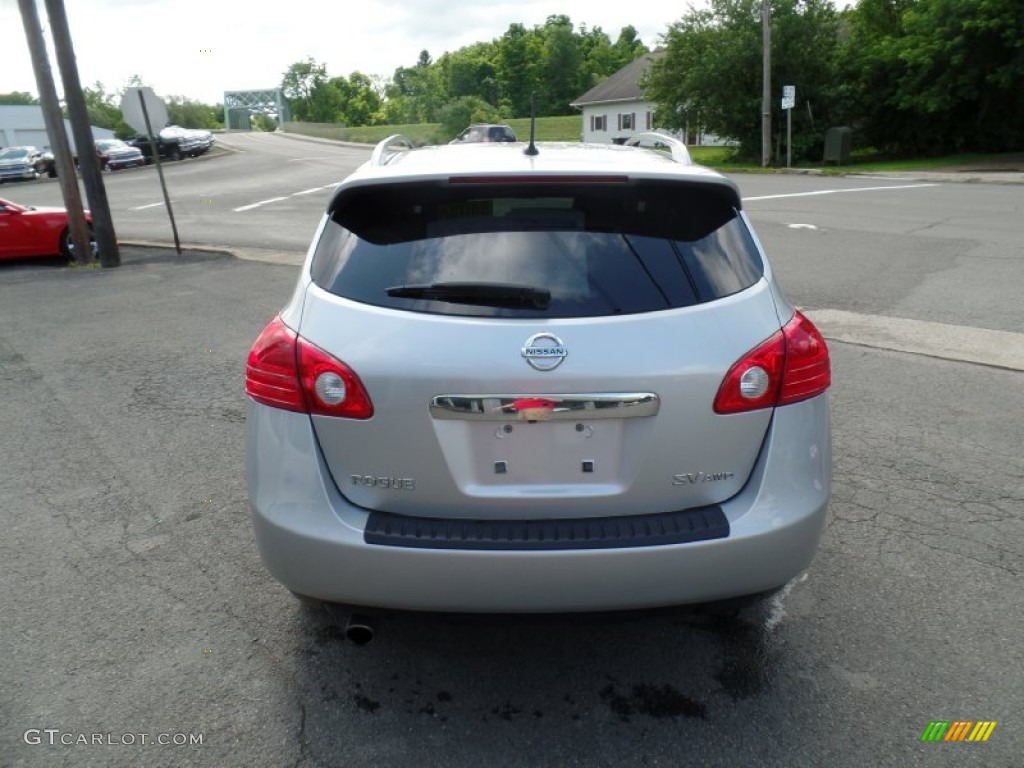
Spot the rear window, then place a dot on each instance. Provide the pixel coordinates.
(576, 250)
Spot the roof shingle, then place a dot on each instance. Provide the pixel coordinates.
(622, 86)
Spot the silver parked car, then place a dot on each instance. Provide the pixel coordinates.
(563, 379)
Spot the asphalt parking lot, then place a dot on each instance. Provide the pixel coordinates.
(136, 610)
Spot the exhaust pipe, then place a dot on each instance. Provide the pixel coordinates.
(358, 629)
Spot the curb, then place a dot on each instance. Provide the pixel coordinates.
(264, 255)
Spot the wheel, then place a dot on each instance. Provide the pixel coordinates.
(67, 247)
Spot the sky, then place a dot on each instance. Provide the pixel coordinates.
(201, 48)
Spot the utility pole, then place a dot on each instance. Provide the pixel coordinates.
(92, 174)
(766, 80)
(55, 128)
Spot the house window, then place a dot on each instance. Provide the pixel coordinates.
(627, 122)
(598, 123)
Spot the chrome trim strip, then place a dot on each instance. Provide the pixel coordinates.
(536, 406)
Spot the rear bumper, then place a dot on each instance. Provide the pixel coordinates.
(311, 538)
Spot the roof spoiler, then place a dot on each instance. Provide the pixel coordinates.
(679, 151)
(389, 147)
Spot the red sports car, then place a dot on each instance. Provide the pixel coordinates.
(28, 231)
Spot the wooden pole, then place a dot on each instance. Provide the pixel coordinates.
(766, 83)
(55, 129)
(88, 163)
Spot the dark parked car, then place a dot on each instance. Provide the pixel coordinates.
(174, 143)
(25, 163)
(485, 132)
(114, 154)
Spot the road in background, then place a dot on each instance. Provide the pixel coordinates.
(260, 190)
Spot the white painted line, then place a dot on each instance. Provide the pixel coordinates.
(801, 226)
(306, 192)
(838, 191)
(261, 202)
(999, 349)
(144, 207)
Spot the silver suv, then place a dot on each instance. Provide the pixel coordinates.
(558, 379)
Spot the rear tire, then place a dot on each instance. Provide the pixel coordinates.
(67, 248)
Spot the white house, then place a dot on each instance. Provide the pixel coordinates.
(23, 125)
(615, 108)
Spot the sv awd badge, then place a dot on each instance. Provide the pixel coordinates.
(544, 351)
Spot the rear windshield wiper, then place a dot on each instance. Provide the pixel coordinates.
(507, 295)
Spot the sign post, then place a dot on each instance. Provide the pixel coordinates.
(788, 102)
(141, 108)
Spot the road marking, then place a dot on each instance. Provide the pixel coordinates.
(998, 349)
(144, 207)
(838, 191)
(261, 202)
(801, 226)
(279, 199)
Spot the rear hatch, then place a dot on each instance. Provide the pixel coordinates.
(538, 350)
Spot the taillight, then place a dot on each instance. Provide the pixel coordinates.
(270, 373)
(286, 371)
(791, 366)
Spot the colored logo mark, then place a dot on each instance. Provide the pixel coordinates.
(958, 730)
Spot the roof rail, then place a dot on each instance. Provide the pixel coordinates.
(679, 151)
(393, 144)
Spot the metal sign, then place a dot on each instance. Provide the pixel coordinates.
(131, 109)
(788, 96)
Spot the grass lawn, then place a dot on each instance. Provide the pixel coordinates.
(569, 127)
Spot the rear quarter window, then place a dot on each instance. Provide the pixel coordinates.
(596, 249)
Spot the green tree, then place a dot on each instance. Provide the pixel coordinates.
(104, 112)
(518, 49)
(936, 76)
(598, 58)
(471, 71)
(362, 104)
(417, 90)
(299, 83)
(562, 67)
(628, 47)
(18, 98)
(456, 115)
(192, 114)
(710, 75)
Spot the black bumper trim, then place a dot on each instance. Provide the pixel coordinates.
(683, 527)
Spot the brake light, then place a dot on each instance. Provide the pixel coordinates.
(541, 178)
(286, 371)
(791, 366)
